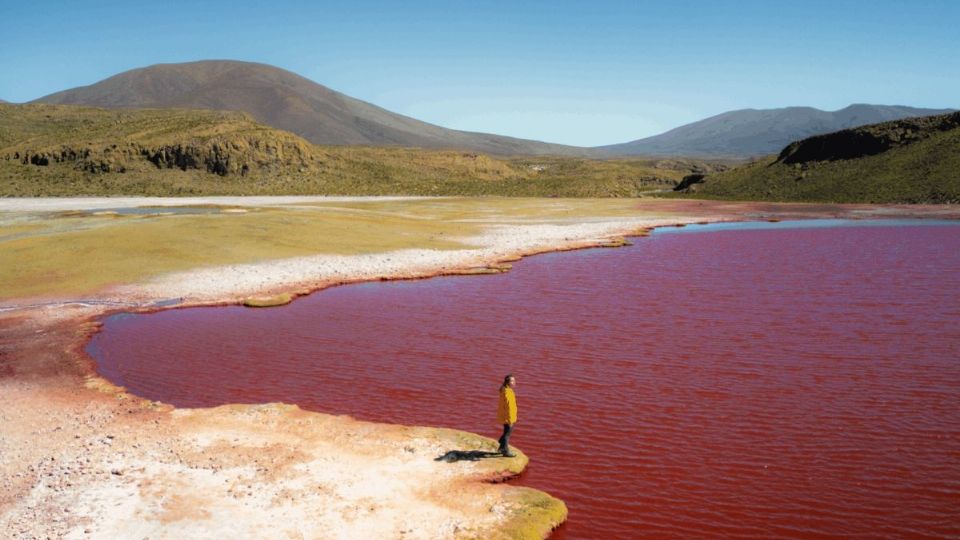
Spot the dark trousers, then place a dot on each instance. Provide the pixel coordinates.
(505, 438)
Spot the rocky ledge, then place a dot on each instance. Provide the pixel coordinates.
(867, 140)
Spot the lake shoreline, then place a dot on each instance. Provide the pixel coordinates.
(49, 381)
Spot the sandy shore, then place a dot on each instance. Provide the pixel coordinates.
(82, 459)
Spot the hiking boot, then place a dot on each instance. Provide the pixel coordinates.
(507, 453)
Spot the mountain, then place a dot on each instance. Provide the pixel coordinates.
(753, 132)
(914, 160)
(287, 101)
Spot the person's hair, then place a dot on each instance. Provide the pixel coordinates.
(506, 380)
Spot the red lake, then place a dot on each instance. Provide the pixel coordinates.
(793, 380)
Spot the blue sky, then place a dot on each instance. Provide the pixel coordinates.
(585, 73)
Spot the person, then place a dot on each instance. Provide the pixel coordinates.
(507, 413)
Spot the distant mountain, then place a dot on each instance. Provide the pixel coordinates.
(914, 160)
(753, 132)
(287, 101)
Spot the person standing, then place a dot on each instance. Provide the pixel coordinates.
(507, 413)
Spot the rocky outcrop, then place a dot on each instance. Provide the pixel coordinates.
(83, 158)
(689, 180)
(866, 141)
(222, 157)
(98, 141)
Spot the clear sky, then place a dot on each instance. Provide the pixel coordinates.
(584, 73)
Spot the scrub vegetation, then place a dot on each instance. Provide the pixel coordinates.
(905, 161)
(61, 150)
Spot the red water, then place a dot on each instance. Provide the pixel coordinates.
(796, 382)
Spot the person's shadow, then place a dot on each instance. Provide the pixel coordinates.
(468, 455)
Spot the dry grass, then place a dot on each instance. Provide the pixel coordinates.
(97, 252)
(59, 150)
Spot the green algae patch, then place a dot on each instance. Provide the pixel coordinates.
(533, 515)
(268, 301)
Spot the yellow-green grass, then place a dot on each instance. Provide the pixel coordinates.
(53, 256)
(495, 209)
(130, 250)
(20, 229)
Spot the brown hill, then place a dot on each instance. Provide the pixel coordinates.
(287, 101)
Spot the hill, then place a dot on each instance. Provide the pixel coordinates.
(287, 101)
(62, 150)
(905, 161)
(752, 132)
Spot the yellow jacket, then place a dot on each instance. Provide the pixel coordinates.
(507, 408)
